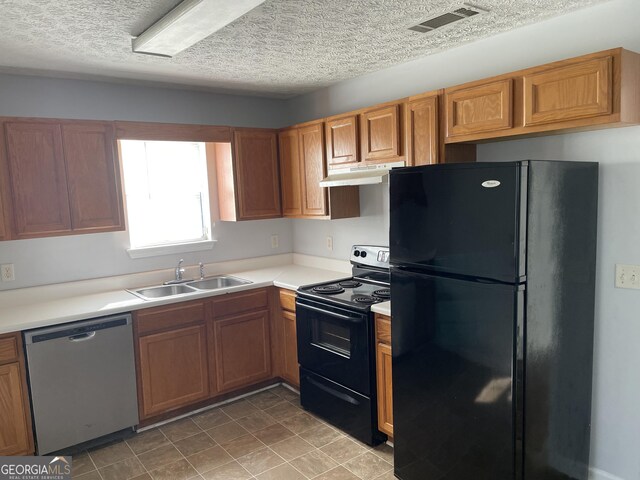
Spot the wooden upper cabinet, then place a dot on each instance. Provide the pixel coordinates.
(314, 197)
(593, 91)
(423, 142)
(38, 179)
(93, 177)
(290, 172)
(380, 134)
(571, 92)
(248, 178)
(342, 141)
(480, 108)
(4, 229)
(63, 178)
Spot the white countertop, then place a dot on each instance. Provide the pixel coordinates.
(28, 308)
(383, 308)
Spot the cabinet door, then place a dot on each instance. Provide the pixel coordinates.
(92, 174)
(482, 108)
(290, 349)
(314, 199)
(3, 228)
(290, 174)
(173, 369)
(576, 91)
(422, 131)
(14, 429)
(342, 141)
(380, 134)
(258, 183)
(242, 350)
(38, 179)
(385, 388)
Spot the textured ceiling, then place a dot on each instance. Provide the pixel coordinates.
(280, 49)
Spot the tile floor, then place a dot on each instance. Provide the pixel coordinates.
(266, 436)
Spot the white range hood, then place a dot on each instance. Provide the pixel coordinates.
(368, 175)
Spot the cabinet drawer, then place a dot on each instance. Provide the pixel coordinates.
(383, 329)
(8, 349)
(288, 300)
(240, 302)
(169, 316)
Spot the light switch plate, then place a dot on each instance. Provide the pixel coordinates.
(8, 274)
(274, 241)
(628, 276)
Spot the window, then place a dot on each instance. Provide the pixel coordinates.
(167, 193)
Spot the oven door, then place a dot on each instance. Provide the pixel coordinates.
(335, 343)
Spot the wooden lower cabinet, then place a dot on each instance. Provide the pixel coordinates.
(173, 369)
(242, 350)
(290, 370)
(190, 353)
(383, 374)
(16, 436)
(172, 357)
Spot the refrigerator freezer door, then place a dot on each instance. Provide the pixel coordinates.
(460, 219)
(456, 355)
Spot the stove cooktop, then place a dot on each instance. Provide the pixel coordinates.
(350, 292)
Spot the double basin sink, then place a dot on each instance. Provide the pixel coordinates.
(206, 284)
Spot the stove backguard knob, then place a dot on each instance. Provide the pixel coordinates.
(357, 253)
(363, 254)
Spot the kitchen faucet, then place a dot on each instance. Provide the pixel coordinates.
(179, 270)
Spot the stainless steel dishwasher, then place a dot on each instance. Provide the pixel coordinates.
(83, 382)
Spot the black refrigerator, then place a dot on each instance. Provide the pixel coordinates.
(492, 305)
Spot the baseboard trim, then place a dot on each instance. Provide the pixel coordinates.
(597, 474)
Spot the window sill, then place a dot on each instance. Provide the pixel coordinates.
(160, 250)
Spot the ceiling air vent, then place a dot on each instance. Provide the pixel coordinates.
(441, 20)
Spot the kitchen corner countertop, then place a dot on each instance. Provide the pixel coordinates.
(383, 308)
(34, 307)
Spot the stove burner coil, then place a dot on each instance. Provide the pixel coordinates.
(364, 299)
(350, 284)
(328, 289)
(383, 293)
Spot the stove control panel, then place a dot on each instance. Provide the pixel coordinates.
(370, 255)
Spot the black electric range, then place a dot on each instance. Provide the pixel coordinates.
(336, 349)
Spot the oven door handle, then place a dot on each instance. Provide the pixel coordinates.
(335, 393)
(334, 314)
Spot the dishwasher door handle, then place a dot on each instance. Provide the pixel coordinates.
(82, 337)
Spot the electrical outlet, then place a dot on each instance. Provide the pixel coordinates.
(274, 241)
(8, 275)
(330, 243)
(627, 276)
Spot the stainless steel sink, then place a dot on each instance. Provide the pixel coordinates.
(162, 291)
(219, 281)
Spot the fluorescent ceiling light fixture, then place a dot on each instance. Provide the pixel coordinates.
(188, 23)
